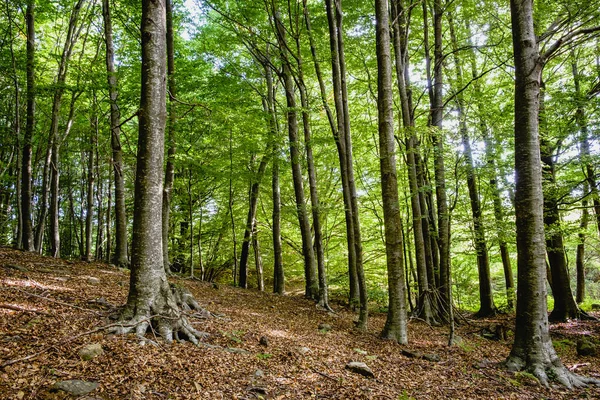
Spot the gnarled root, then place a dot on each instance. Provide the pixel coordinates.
(546, 372)
(164, 315)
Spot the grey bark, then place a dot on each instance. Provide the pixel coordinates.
(311, 288)
(342, 137)
(486, 297)
(400, 29)
(395, 326)
(150, 298)
(532, 349)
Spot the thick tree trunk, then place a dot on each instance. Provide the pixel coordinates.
(311, 289)
(150, 299)
(170, 169)
(26, 179)
(395, 326)
(120, 257)
(532, 349)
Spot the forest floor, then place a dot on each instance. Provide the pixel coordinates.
(50, 309)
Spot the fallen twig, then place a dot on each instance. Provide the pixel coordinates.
(17, 308)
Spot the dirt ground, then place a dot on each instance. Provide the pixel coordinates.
(50, 309)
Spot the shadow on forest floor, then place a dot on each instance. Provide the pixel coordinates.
(261, 346)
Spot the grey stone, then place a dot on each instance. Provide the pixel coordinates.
(15, 338)
(259, 373)
(586, 347)
(432, 357)
(303, 350)
(93, 280)
(324, 327)
(360, 368)
(76, 387)
(90, 351)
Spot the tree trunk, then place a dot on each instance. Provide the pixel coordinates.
(278, 273)
(486, 296)
(532, 348)
(170, 169)
(235, 261)
(251, 219)
(120, 257)
(312, 180)
(338, 131)
(311, 288)
(400, 27)
(150, 298)
(26, 179)
(584, 154)
(90, 183)
(437, 112)
(395, 326)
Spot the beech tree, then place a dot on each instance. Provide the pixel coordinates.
(151, 300)
(532, 349)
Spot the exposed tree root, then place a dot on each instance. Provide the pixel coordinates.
(550, 371)
(166, 316)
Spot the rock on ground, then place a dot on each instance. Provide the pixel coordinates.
(360, 368)
(76, 387)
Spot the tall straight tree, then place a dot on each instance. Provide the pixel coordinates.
(400, 22)
(532, 349)
(395, 326)
(120, 258)
(170, 168)
(486, 298)
(150, 299)
(311, 289)
(343, 141)
(26, 181)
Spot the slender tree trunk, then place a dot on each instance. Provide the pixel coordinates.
(395, 326)
(120, 257)
(486, 297)
(311, 289)
(260, 283)
(278, 273)
(584, 154)
(251, 219)
(312, 180)
(400, 27)
(338, 131)
(437, 112)
(90, 183)
(16, 131)
(564, 303)
(26, 178)
(170, 169)
(235, 261)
